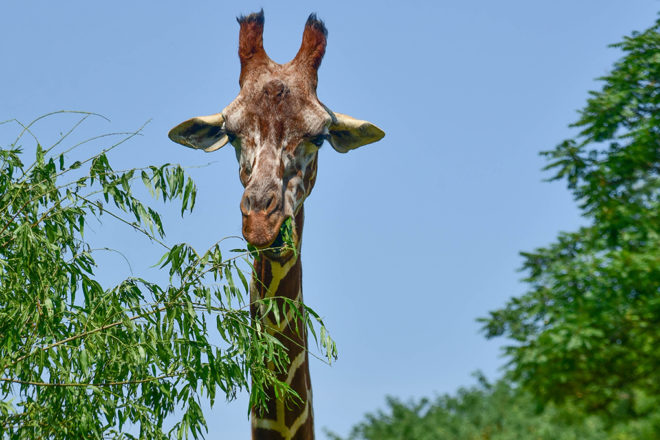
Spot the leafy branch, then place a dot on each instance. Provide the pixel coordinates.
(131, 354)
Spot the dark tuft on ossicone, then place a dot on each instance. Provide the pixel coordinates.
(255, 17)
(316, 23)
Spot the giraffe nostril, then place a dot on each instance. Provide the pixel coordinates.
(245, 204)
(272, 204)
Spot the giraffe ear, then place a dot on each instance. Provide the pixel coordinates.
(347, 133)
(203, 133)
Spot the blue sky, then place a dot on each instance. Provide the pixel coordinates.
(407, 241)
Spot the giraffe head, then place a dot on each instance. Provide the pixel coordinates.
(276, 125)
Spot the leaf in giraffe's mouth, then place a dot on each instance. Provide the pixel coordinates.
(284, 238)
(282, 244)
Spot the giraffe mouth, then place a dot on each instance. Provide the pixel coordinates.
(285, 242)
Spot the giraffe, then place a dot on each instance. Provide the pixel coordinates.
(276, 125)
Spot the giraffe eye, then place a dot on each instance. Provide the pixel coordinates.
(318, 140)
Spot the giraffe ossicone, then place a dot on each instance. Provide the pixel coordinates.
(277, 125)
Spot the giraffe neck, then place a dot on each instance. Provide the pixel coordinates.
(290, 420)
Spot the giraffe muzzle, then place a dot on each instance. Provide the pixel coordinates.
(262, 217)
(261, 229)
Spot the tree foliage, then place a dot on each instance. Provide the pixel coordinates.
(587, 330)
(82, 361)
(496, 411)
(584, 361)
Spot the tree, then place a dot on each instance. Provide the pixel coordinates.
(496, 411)
(587, 331)
(82, 361)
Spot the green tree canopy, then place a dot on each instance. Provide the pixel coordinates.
(81, 361)
(584, 361)
(587, 331)
(490, 411)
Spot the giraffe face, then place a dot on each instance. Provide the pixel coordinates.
(276, 125)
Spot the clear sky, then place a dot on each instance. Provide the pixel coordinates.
(407, 241)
